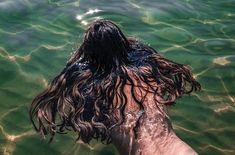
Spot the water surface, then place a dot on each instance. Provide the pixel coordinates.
(37, 37)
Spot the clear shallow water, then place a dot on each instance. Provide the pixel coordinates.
(36, 38)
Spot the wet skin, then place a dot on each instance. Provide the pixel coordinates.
(148, 131)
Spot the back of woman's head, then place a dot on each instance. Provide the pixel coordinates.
(104, 45)
(92, 103)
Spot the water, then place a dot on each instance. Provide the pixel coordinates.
(37, 37)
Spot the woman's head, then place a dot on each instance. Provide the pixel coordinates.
(104, 45)
(92, 103)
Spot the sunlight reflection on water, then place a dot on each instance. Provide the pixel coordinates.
(38, 36)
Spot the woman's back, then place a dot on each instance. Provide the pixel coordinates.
(147, 132)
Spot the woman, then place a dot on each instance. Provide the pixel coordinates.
(115, 89)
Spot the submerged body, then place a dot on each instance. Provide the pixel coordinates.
(115, 89)
(148, 131)
(154, 134)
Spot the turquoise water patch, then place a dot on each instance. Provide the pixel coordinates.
(175, 35)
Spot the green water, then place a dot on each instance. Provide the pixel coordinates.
(37, 37)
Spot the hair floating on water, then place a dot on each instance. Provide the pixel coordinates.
(88, 95)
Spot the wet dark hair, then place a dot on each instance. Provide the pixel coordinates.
(88, 96)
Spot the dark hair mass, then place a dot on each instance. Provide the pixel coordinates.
(88, 96)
